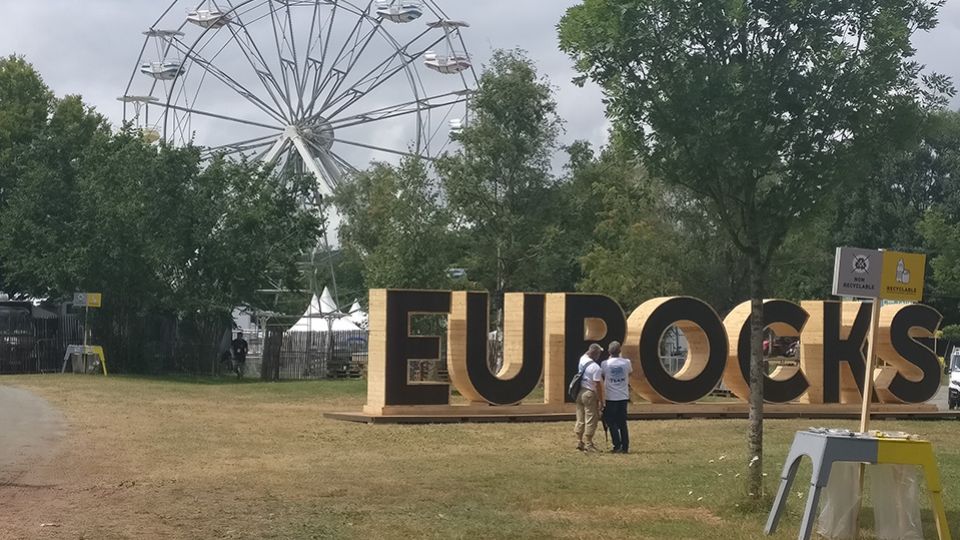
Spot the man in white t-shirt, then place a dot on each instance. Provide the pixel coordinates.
(616, 385)
(589, 399)
(593, 353)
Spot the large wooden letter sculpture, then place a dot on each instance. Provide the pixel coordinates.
(546, 334)
(706, 355)
(832, 351)
(912, 373)
(523, 348)
(786, 383)
(574, 321)
(392, 347)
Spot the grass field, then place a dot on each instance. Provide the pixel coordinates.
(188, 458)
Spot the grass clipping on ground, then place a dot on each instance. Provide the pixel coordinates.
(148, 458)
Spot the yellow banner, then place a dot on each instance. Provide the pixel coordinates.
(903, 275)
(94, 299)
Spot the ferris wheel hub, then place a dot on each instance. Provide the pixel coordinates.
(318, 131)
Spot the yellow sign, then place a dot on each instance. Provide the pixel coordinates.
(94, 299)
(902, 277)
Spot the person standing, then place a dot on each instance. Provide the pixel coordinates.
(592, 355)
(239, 349)
(616, 385)
(589, 399)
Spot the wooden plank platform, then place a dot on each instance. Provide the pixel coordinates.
(530, 413)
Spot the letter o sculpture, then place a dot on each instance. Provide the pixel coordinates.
(706, 355)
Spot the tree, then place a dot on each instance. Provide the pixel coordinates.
(161, 234)
(627, 230)
(25, 104)
(667, 241)
(395, 228)
(906, 190)
(498, 183)
(757, 108)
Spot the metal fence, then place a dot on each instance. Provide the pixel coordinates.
(33, 339)
(307, 355)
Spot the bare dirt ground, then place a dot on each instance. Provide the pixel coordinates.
(30, 429)
(30, 434)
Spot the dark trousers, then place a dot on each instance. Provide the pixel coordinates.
(615, 414)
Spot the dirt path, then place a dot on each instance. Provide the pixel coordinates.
(30, 431)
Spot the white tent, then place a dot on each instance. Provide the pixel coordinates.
(321, 312)
(357, 315)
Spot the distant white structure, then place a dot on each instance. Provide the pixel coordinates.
(323, 315)
(357, 315)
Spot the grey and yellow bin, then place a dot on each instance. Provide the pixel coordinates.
(827, 448)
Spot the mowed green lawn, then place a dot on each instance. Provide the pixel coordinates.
(188, 458)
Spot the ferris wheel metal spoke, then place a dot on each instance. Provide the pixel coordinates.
(248, 46)
(333, 72)
(411, 107)
(280, 58)
(342, 164)
(317, 82)
(270, 155)
(347, 167)
(400, 51)
(310, 161)
(190, 53)
(267, 139)
(294, 65)
(238, 148)
(380, 75)
(382, 149)
(221, 117)
(355, 56)
(308, 62)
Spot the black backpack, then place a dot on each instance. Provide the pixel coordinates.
(573, 390)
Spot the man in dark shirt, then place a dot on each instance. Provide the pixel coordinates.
(239, 349)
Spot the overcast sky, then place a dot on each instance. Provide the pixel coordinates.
(91, 47)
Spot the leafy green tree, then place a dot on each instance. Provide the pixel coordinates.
(941, 222)
(646, 238)
(757, 108)
(905, 189)
(25, 104)
(159, 233)
(633, 252)
(395, 227)
(499, 186)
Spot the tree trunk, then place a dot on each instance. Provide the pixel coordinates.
(757, 372)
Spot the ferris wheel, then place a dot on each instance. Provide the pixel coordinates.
(324, 86)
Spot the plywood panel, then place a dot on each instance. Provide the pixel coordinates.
(733, 377)
(512, 335)
(631, 349)
(457, 348)
(377, 355)
(554, 385)
(811, 352)
(849, 390)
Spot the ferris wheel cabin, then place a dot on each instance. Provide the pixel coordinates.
(208, 18)
(162, 71)
(453, 62)
(400, 12)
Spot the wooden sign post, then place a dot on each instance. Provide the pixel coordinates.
(877, 275)
(859, 273)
